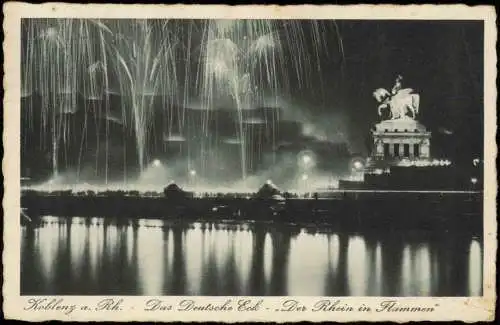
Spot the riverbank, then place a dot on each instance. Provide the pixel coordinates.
(350, 209)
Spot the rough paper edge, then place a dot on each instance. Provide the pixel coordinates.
(466, 309)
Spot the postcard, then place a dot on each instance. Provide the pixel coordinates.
(249, 163)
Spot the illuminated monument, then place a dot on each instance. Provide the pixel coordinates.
(399, 138)
(401, 157)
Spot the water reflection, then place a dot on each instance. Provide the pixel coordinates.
(151, 265)
(375, 281)
(308, 260)
(152, 257)
(475, 269)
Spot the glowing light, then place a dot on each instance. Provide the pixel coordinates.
(305, 177)
(424, 163)
(358, 165)
(473, 180)
(156, 163)
(306, 159)
(192, 172)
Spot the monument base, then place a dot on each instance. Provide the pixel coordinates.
(398, 141)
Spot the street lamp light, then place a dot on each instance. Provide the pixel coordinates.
(304, 179)
(192, 177)
(357, 165)
(473, 181)
(306, 160)
(156, 163)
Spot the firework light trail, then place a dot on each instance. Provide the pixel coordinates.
(245, 60)
(219, 63)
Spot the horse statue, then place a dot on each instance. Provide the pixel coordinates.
(401, 102)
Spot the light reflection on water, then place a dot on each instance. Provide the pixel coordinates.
(376, 282)
(151, 264)
(308, 260)
(153, 257)
(475, 268)
(357, 266)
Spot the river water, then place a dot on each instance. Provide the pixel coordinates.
(94, 256)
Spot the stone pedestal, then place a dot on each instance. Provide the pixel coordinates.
(399, 139)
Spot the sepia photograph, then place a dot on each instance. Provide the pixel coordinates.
(256, 157)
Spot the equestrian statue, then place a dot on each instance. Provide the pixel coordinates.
(401, 102)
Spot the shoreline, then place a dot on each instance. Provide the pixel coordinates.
(352, 210)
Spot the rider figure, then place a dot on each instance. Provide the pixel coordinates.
(397, 85)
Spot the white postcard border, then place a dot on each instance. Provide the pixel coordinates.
(133, 308)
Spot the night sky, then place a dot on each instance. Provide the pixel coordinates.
(440, 60)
